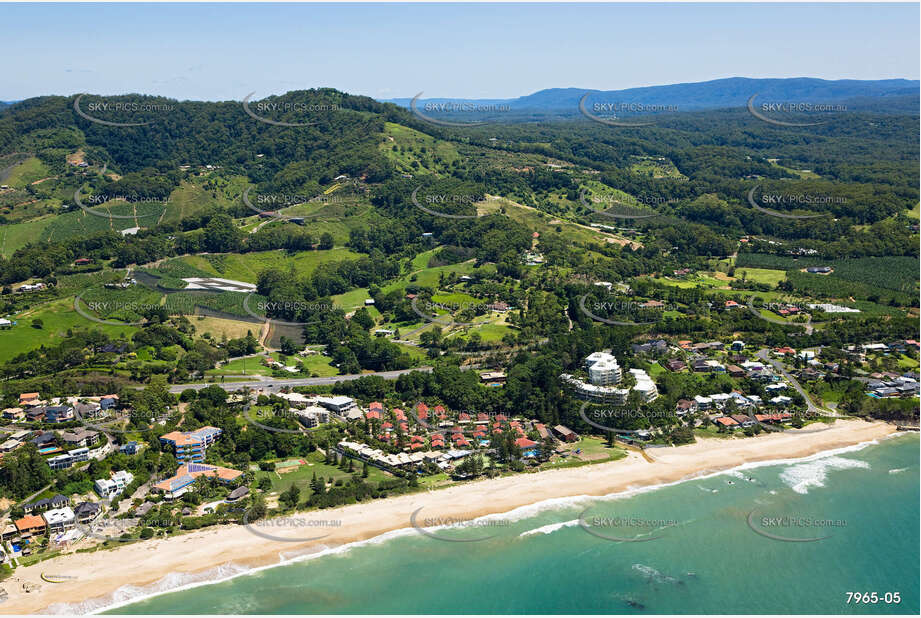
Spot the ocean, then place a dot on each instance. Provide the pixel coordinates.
(793, 536)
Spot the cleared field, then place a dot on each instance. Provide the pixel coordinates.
(319, 364)
(429, 276)
(351, 300)
(242, 366)
(198, 194)
(541, 222)
(18, 235)
(27, 172)
(57, 318)
(657, 169)
(405, 146)
(220, 327)
(247, 266)
(761, 275)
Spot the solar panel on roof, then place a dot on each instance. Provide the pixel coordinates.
(180, 482)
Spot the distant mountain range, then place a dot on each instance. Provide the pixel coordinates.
(715, 94)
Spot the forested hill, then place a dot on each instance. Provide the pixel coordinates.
(900, 95)
(333, 132)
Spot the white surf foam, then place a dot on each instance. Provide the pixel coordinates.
(128, 595)
(550, 528)
(800, 478)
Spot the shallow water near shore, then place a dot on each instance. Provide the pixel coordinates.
(706, 545)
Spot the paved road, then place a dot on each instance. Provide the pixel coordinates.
(810, 405)
(270, 384)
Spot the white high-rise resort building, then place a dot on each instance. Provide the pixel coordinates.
(604, 372)
(644, 385)
(603, 369)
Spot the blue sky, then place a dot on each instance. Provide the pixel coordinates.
(225, 51)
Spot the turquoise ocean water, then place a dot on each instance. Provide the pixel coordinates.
(697, 552)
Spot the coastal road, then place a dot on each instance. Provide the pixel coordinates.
(270, 384)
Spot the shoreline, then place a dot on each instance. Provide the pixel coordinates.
(220, 553)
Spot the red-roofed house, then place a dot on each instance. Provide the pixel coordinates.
(422, 411)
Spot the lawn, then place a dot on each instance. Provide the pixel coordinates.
(761, 275)
(57, 317)
(303, 475)
(351, 300)
(428, 277)
(242, 366)
(492, 332)
(320, 365)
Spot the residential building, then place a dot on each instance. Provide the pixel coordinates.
(31, 525)
(703, 403)
(109, 488)
(107, 402)
(28, 399)
(603, 369)
(644, 386)
(66, 460)
(493, 378)
(676, 365)
(13, 414)
(55, 502)
(653, 348)
(85, 512)
(191, 445)
(58, 414)
(87, 410)
(566, 433)
(742, 420)
(10, 446)
(59, 520)
(80, 437)
(186, 475)
(591, 392)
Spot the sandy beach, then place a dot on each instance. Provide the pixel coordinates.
(99, 574)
